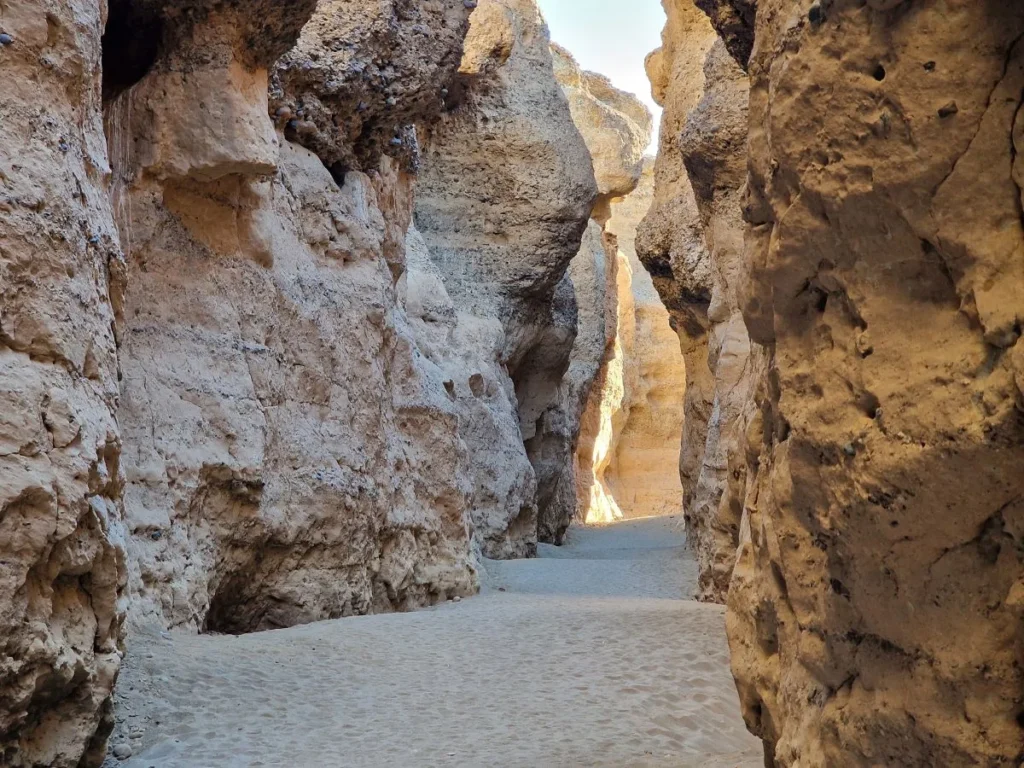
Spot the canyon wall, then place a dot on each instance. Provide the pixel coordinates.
(628, 452)
(642, 472)
(873, 387)
(875, 610)
(692, 243)
(713, 145)
(277, 415)
(505, 191)
(62, 559)
(612, 365)
(670, 241)
(243, 390)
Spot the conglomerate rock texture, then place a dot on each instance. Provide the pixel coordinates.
(876, 607)
(505, 191)
(62, 568)
(362, 74)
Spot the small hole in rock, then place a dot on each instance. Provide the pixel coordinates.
(879, 73)
(338, 172)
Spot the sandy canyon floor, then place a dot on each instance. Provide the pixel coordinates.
(589, 655)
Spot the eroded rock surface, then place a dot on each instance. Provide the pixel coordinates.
(876, 605)
(505, 192)
(616, 126)
(713, 145)
(670, 240)
(290, 459)
(62, 569)
(643, 469)
(362, 74)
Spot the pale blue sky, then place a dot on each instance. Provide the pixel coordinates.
(611, 37)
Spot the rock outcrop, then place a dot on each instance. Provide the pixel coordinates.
(616, 126)
(670, 240)
(505, 191)
(623, 327)
(628, 454)
(875, 609)
(363, 74)
(62, 568)
(642, 473)
(279, 423)
(713, 146)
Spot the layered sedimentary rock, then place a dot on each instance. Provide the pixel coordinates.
(290, 459)
(505, 191)
(876, 606)
(62, 567)
(642, 473)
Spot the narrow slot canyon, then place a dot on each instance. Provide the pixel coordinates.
(380, 386)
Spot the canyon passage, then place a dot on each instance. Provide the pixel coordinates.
(371, 394)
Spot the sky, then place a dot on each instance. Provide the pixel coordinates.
(611, 37)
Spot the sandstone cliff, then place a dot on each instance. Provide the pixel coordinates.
(271, 395)
(294, 423)
(628, 454)
(62, 561)
(616, 127)
(875, 609)
(642, 473)
(873, 386)
(670, 240)
(713, 146)
(505, 191)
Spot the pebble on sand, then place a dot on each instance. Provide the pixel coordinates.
(122, 751)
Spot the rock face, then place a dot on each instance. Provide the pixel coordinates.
(628, 453)
(62, 567)
(875, 609)
(616, 126)
(642, 473)
(505, 191)
(670, 240)
(243, 391)
(363, 73)
(713, 146)
(290, 459)
(734, 22)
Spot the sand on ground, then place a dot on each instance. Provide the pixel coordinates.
(589, 655)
